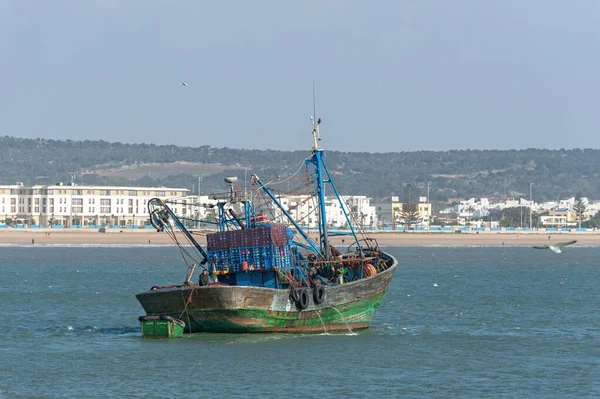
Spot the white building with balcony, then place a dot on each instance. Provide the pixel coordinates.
(81, 206)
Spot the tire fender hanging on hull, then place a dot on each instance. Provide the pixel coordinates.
(318, 294)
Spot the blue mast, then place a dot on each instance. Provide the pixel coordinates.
(317, 160)
(322, 176)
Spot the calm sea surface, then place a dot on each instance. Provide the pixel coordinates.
(501, 322)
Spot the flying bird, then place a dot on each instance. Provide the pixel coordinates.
(183, 84)
(556, 248)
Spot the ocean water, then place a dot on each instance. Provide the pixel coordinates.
(457, 322)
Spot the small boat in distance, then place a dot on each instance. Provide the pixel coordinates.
(268, 274)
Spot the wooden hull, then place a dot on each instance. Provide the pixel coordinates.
(246, 309)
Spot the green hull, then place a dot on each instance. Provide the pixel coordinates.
(351, 316)
(161, 329)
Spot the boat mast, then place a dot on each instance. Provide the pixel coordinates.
(317, 160)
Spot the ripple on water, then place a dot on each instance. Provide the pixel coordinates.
(498, 324)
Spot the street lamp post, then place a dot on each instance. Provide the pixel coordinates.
(428, 184)
(521, 207)
(530, 204)
(428, 207)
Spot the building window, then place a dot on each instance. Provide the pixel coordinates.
(104, 192)
(104, 201)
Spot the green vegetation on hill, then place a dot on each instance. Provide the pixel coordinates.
(556, 174)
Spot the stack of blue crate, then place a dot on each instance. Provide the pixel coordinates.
(258, 258)
(261, 248)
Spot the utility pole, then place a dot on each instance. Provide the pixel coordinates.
(530, 204)
(199, 181)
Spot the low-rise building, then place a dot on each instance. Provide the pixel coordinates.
(423, 209)
(81, 206)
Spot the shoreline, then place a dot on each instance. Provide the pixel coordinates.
(145, 237)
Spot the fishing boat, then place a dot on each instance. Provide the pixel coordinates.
(266, 272)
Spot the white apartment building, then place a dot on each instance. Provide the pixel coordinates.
(570, 203)
(593, 208)
(480, 209)
(304, 209)
(82, 206)
(473, 209)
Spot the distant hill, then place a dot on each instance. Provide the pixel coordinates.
(556, 174)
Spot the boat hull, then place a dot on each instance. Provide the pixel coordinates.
(247, 309)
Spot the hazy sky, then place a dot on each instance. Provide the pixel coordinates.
(390, 75)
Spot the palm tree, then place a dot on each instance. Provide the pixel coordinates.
(580, 208)
(470, 210)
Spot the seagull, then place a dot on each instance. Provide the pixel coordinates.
(557, 248)
(183, 84)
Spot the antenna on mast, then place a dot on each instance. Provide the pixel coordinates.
(314, 102)
(315, 126)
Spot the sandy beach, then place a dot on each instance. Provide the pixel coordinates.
(151, 237)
